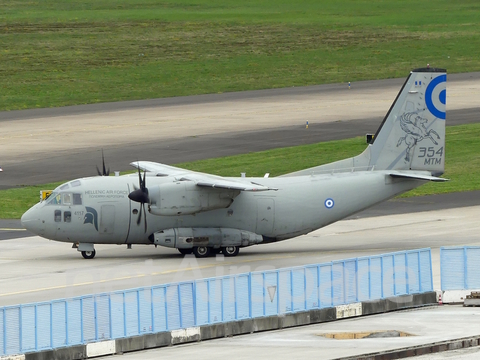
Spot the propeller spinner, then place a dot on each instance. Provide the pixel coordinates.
(141, 196)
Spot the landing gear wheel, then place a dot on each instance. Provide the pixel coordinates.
(229, 251)
(201, 251)
(88, 254)
(185, 251)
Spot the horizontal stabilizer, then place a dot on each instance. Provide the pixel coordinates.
(415, 176)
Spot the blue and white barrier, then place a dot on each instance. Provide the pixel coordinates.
(459, 271)
(187, 305)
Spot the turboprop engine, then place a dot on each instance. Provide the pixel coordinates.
(186, 238)
(186, 198)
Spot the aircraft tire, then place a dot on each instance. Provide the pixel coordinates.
(88, 254)
(185, 251)
(229, 251)
(201, 251)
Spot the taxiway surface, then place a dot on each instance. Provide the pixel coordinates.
(35, 269)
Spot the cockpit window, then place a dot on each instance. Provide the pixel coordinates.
(64, 187)
(55, 199)
(67, 199)
(75, 183)
(77, 199)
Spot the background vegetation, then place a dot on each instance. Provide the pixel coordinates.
(57, 53)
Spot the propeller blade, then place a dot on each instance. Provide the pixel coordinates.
(105, 172)
(145, 217)
(139, 218)
(140, 195)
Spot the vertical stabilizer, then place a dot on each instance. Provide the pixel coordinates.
(412, 135)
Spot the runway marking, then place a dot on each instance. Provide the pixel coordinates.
(143, 275)
(7, 229)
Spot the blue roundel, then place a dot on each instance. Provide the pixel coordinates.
(329, 203)
(432, 96)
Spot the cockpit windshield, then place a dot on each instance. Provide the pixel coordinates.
(55, 198)
(64, 198)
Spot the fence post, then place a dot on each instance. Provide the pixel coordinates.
(465, 268)
(67, 341)
(431, 268)
(124, 315)
(381, 277)
(394, 277)
(20, 329)
(165, 306)
(407, 280)
(356, 279)
(95, 317)
(249, 297)
(139, 326)
(234, 297)
(419, 271)
(263, 294)
(208, 301)
(180, 306)
(369, 278)
(36, 329)
(51, 325)
(110, 315)
(81, 320)
(5, 332)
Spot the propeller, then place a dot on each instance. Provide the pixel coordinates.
(105, 172)
(141, 196)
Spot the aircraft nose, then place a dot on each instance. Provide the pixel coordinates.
(32, 221)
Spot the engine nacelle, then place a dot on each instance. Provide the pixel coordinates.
(185, 238)
(186, 198)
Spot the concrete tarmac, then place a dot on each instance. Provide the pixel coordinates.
(428, 325)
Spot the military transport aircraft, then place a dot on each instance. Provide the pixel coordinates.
(204, 214)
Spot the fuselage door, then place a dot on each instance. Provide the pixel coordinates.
(107, 219)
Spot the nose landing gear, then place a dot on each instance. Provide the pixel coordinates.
(88, 254)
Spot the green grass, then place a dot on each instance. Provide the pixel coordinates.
(462, 166)
(57, 53)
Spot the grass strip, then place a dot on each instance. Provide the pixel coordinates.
(59, 53)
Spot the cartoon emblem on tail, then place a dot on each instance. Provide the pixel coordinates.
(91, 217)
(416, 130)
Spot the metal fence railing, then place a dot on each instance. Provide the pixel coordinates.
(460, 267)
(80, 320)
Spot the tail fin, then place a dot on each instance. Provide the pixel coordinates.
(412, 134)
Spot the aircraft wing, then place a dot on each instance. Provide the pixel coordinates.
(200, 179)
(416, 176)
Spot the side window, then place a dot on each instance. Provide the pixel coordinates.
(67, 199)
(77, 199)
(58, 216)
(67, 216)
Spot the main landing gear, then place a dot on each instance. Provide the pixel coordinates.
(205, 251)
(87, 249)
